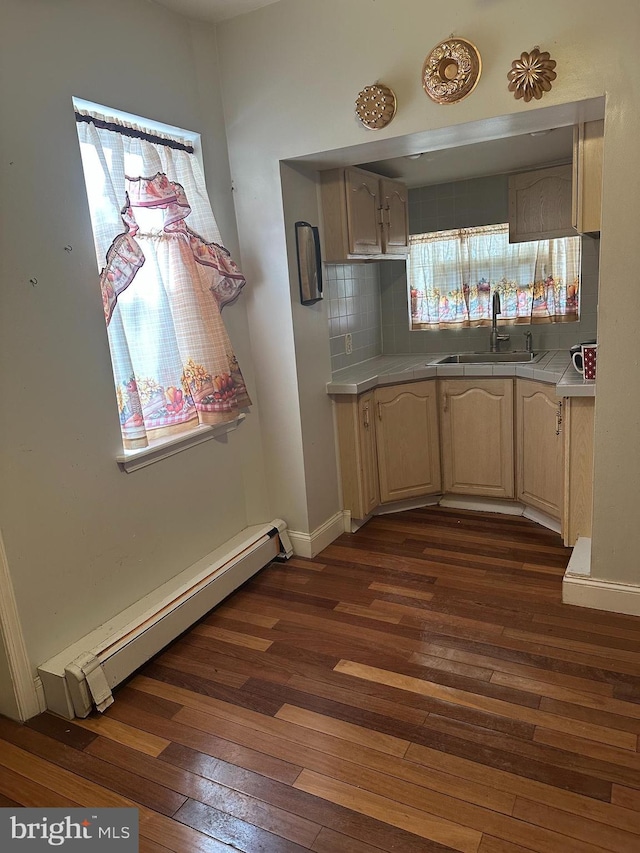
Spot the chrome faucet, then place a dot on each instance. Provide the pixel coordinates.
(528, 341)
(495, 310)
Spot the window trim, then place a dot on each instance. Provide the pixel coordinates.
(133, 460)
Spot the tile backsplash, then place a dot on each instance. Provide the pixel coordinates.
(369, 299)
(353, 294)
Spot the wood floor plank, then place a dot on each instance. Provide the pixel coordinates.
(536, 673)
(625, 740)
(252, 759)
(192, 786)
(86, 767)
(367, 612)
(573, 696)
(238, 834)
(347, 731)
(405, 591)
(234, 637)
(413, 820)
(580, 828)
(357, 828)
(239, 615)
(123, 733)
(178, 837)
(26, 792)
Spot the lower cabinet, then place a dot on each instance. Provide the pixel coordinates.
(539, 452)
(460, 436)
(407, 441)
(476, 432)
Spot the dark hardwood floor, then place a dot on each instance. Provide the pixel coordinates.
(417, 688)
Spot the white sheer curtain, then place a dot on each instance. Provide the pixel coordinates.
(164, 277)
(452, 276)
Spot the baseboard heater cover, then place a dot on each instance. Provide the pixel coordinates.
(81, 677)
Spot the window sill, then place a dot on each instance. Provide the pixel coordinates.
(132, 460)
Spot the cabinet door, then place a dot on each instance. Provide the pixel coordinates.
(357, 448)
(577, 426)
(588, 140)
(368, 463)
(395, 218)
(540, 205)
(476, 418)
(539, 468)
(363, 212)
(407, 441)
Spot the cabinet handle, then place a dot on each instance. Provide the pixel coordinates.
(366, 416)
(381, 212)
(559, 419)
(446, 403)
(379, 410)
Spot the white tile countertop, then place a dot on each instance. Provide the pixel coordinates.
(554, 367)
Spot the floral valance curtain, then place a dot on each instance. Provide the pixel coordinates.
(452, 276)
(165, 277)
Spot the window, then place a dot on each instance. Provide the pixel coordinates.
(452, 276)
(164, 277)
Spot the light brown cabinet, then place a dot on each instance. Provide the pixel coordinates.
(588, 141)
(540, 204)
(407, 441)
(476, 433)
(357, 447)
(364, 216)
(539, 469)
(577, 427)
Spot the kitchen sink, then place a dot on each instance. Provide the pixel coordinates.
(490, 358)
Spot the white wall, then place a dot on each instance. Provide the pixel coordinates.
(83, 539)
(290, 75)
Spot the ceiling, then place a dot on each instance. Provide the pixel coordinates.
(214, 10)
(499, 156)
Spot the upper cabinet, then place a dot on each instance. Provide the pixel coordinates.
(588, 141)
(540, 204)
(364, 216)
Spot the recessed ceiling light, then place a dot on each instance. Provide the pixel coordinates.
(413, 156)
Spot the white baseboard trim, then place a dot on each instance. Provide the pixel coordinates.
(310, 544)
(542, 519)
(12, 638)
(479, 504)
(580, 589)
(410, 503)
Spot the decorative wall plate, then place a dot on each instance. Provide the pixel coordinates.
(451, 71)
(376, 106)
(531, 75)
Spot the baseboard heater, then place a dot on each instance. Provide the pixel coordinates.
(81, 677)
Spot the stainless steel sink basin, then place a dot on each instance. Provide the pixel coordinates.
(489, 358)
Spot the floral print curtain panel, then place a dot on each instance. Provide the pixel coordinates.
(165, 277)
(452, 276)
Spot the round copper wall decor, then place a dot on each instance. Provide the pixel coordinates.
(451, 71)
(376, 106)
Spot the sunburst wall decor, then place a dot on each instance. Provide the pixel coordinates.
(531, 75)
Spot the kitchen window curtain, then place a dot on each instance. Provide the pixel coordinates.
(164, 277)
(452, 276)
